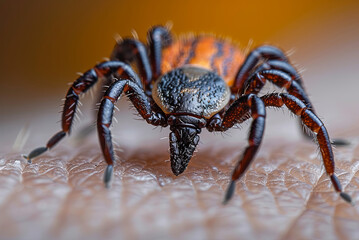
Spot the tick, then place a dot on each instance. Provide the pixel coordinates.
(190, 83)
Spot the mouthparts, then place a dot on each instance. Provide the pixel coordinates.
(183, 142)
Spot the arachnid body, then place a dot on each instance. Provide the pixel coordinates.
(192, 83)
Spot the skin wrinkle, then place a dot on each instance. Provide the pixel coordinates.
(4, 171)
(200, 205)
(245, 201)
(305, 208)
(275, 199)
(206, 215)
(305, 205)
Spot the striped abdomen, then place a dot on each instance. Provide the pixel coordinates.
(215, 54)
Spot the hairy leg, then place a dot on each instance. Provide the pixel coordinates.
(237, 112)
(139, 99)
(283, 75)
(254, 57)
(80, 86)
(316, 126)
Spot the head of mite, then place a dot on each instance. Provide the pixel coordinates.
(189, 96)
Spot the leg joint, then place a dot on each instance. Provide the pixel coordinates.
(113, 100)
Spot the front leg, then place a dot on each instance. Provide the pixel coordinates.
(126, 50)
(139, 99)
(237, 113)
(315, 125)
(81, 85)
(283, 75)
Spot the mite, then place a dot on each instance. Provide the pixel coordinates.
(190, 83)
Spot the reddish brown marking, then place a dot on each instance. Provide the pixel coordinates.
(76, 91)
(326, 150)
(120, 71)
(101, 71)
(55, 139)
(110, 98)
(201, 51)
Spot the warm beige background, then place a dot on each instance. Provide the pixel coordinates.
(44, 43)
(285, 195)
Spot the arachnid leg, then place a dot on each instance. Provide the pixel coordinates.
(316, 126)
(81, 85)
(253, 58)
(139, 99)
(129, 50)
(158, 37)
(284, 76)
(88, 129)
(237, 113)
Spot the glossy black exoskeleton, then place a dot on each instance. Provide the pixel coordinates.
(188, 96)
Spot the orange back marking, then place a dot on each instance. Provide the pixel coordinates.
(215, 54)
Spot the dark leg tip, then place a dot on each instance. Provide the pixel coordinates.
(340, 142)
(26, 157)
(108, 175)
(346, 198)
(230, 191)
(34, 153)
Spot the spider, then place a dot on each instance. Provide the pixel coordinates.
(190, 83)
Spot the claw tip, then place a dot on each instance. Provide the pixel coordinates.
(230, 191)
(346, 198)
(26, 157)
(108, 175)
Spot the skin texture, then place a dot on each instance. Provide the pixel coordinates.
(285, 194)
(61, 194)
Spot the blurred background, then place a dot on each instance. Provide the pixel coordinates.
(45, 43)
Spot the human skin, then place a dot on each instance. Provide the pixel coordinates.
(285, 194)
